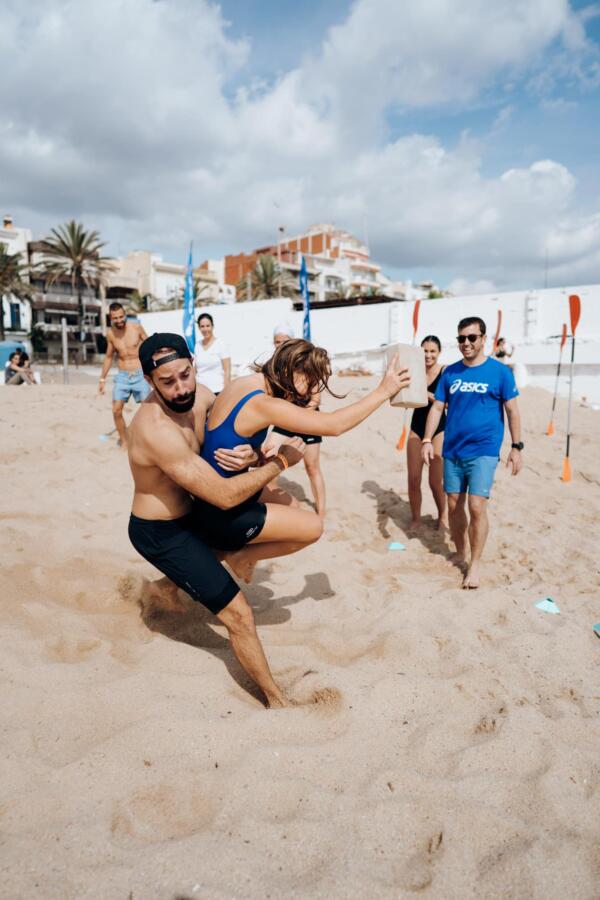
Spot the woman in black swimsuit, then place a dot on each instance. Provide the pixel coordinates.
(432, 348)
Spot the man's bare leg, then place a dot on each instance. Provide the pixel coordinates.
(458, 527)
(117, 408)
(238, 619)
(478, 532)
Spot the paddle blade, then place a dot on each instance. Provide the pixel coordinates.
(416, 318)
(401, 440)
(563, 337)
(566, 473)
(575, 312)
(550, 428)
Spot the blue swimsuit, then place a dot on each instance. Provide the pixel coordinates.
(225, 437)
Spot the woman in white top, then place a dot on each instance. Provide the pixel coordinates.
(213, 362)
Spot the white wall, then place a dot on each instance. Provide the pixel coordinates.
(248, 327)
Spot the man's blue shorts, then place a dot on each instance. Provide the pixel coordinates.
(128, 383)
(473, 476)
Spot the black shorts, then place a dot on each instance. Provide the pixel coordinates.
(179, 551)
(230, 529)
(307, 438)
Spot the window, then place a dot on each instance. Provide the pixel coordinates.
(15, 315)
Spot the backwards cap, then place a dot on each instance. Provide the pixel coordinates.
(158, 341)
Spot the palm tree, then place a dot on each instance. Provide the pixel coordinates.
(267, 280)
(13, 272)
(70, 252)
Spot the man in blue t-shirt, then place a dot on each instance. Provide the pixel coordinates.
(476, 390)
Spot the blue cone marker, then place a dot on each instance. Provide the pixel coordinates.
(547, 605)
(596, 629)
(396, 545)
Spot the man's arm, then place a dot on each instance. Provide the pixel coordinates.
(515, 457)
(433, 420)
(108, 358)
(172, 454)
(143, 334)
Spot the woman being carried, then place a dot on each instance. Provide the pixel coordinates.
(278, 393)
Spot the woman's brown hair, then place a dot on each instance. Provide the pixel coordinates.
(293, 357)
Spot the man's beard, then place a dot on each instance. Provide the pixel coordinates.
(182, 404)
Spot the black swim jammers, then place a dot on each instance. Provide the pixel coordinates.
(177, 548)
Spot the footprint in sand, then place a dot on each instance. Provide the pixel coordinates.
(491, 723)
(417, 873)
(166, 812)
(303, 692)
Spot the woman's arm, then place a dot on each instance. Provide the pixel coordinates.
(226, 363)
(283, 414)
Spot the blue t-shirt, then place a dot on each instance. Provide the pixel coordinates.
(475, 396)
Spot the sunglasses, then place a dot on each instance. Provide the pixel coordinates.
(468, 337)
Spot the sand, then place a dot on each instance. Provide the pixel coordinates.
(454, 748)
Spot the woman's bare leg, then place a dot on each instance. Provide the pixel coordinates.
(436, 481)
(414, 463)
(312, 462)
(286, 530)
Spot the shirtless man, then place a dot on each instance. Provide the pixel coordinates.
(168, 472)
(124, 338)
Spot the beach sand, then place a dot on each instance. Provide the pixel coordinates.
(452, 750)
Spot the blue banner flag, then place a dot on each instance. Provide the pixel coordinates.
(189, 330)
(305, 301)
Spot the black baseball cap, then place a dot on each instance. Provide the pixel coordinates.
(158, 341)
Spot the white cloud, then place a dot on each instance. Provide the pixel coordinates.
(133, 115)
(462, 287)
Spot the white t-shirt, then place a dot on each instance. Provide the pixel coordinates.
(209, 368)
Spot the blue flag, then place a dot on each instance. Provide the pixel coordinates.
(305, 301)
(189, 330)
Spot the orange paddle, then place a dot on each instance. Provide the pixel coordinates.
(563, 341)
(575, 314)
(415, 319)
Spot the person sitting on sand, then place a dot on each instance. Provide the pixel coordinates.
(476, 390)
(312, 456)
(169, 476)
(17, 369)
(124, 338)
(432, 348)
(279, 393)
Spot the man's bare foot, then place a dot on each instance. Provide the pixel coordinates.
(442, 523)
(280, 701)
(413, 525)
(471, 579)
(241, 564)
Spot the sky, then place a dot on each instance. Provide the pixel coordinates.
(459, 139)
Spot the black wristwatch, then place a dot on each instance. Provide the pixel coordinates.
(518, 446)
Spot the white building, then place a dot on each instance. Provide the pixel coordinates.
(163, 282)
(16, 314)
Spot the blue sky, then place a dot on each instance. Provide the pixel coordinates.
(464, 136)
